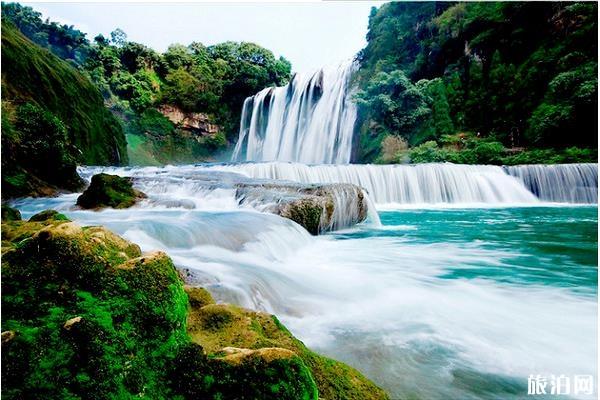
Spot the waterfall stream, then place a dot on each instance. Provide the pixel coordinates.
(310, 120)
(444, 183)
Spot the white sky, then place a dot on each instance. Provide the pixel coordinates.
(310, 35)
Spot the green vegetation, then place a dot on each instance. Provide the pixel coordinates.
(109, 191)
(136, 81)
(518, 74)
(86, 315)
(467, 149)
(52, 118)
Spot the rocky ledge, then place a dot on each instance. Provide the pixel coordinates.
(318, 208)
(87, 315)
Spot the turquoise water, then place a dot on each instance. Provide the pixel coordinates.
(493, 295)
(555, 246)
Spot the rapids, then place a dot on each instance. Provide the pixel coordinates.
(432, 303)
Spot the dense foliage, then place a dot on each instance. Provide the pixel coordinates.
(53, 117)
(521, 73)
(135, 79)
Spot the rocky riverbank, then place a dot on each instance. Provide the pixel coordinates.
(86, 314)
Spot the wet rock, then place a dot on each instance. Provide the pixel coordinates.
(109, 191)
(318, 208)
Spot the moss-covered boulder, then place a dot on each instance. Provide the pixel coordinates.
(87, 315)
(232, 333)
(10, 214)
(109, 191)
(47, 215)
(317, 208)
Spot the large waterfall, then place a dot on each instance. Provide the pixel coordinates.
(310, 120)
(444, 183)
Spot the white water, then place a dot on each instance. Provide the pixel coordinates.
(563, 183)
(310, 120)
(379, 302)
(443, 183)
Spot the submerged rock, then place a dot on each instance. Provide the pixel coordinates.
(87, 315)
(109, 191)
(318, 208)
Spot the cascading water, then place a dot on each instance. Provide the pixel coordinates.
(563, 183)
(310, 120)
(443, 183)
(431, 304)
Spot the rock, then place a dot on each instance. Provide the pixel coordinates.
(48, 215)
(198, 297)
(242, 336)
(57, 269)
(109, 191)
(69, 324)
(10, 214)
(318, 208)
(7, 336)
(198, 123)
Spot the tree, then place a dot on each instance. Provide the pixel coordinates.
(118, 37)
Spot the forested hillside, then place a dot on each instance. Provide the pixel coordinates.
(464, 81)
(53, 118)
(179, 106)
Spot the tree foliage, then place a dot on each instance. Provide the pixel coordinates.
(524, 73)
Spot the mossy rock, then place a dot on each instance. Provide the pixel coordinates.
(92, 317)
(48, 215)
(10, 214)
(109, 191)
(87, 315)
(219, 327)
(198, 297)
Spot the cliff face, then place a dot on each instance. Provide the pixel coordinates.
(53, 118)
(198, 123)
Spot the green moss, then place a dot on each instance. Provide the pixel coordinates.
(247, 329)
(48, 215)
(307, 214)
(10, 214)
(86, 315)
(109, 191)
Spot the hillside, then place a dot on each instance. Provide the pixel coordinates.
(451, 75)
(53, 118)
(179, 106)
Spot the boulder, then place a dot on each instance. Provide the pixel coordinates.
(318, 208)
(48, 215)
(109, 191)
(240, 337)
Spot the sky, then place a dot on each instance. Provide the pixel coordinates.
(310, 35)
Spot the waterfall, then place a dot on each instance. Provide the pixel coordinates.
(563, 183)
(443, 183)
(310, 120)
